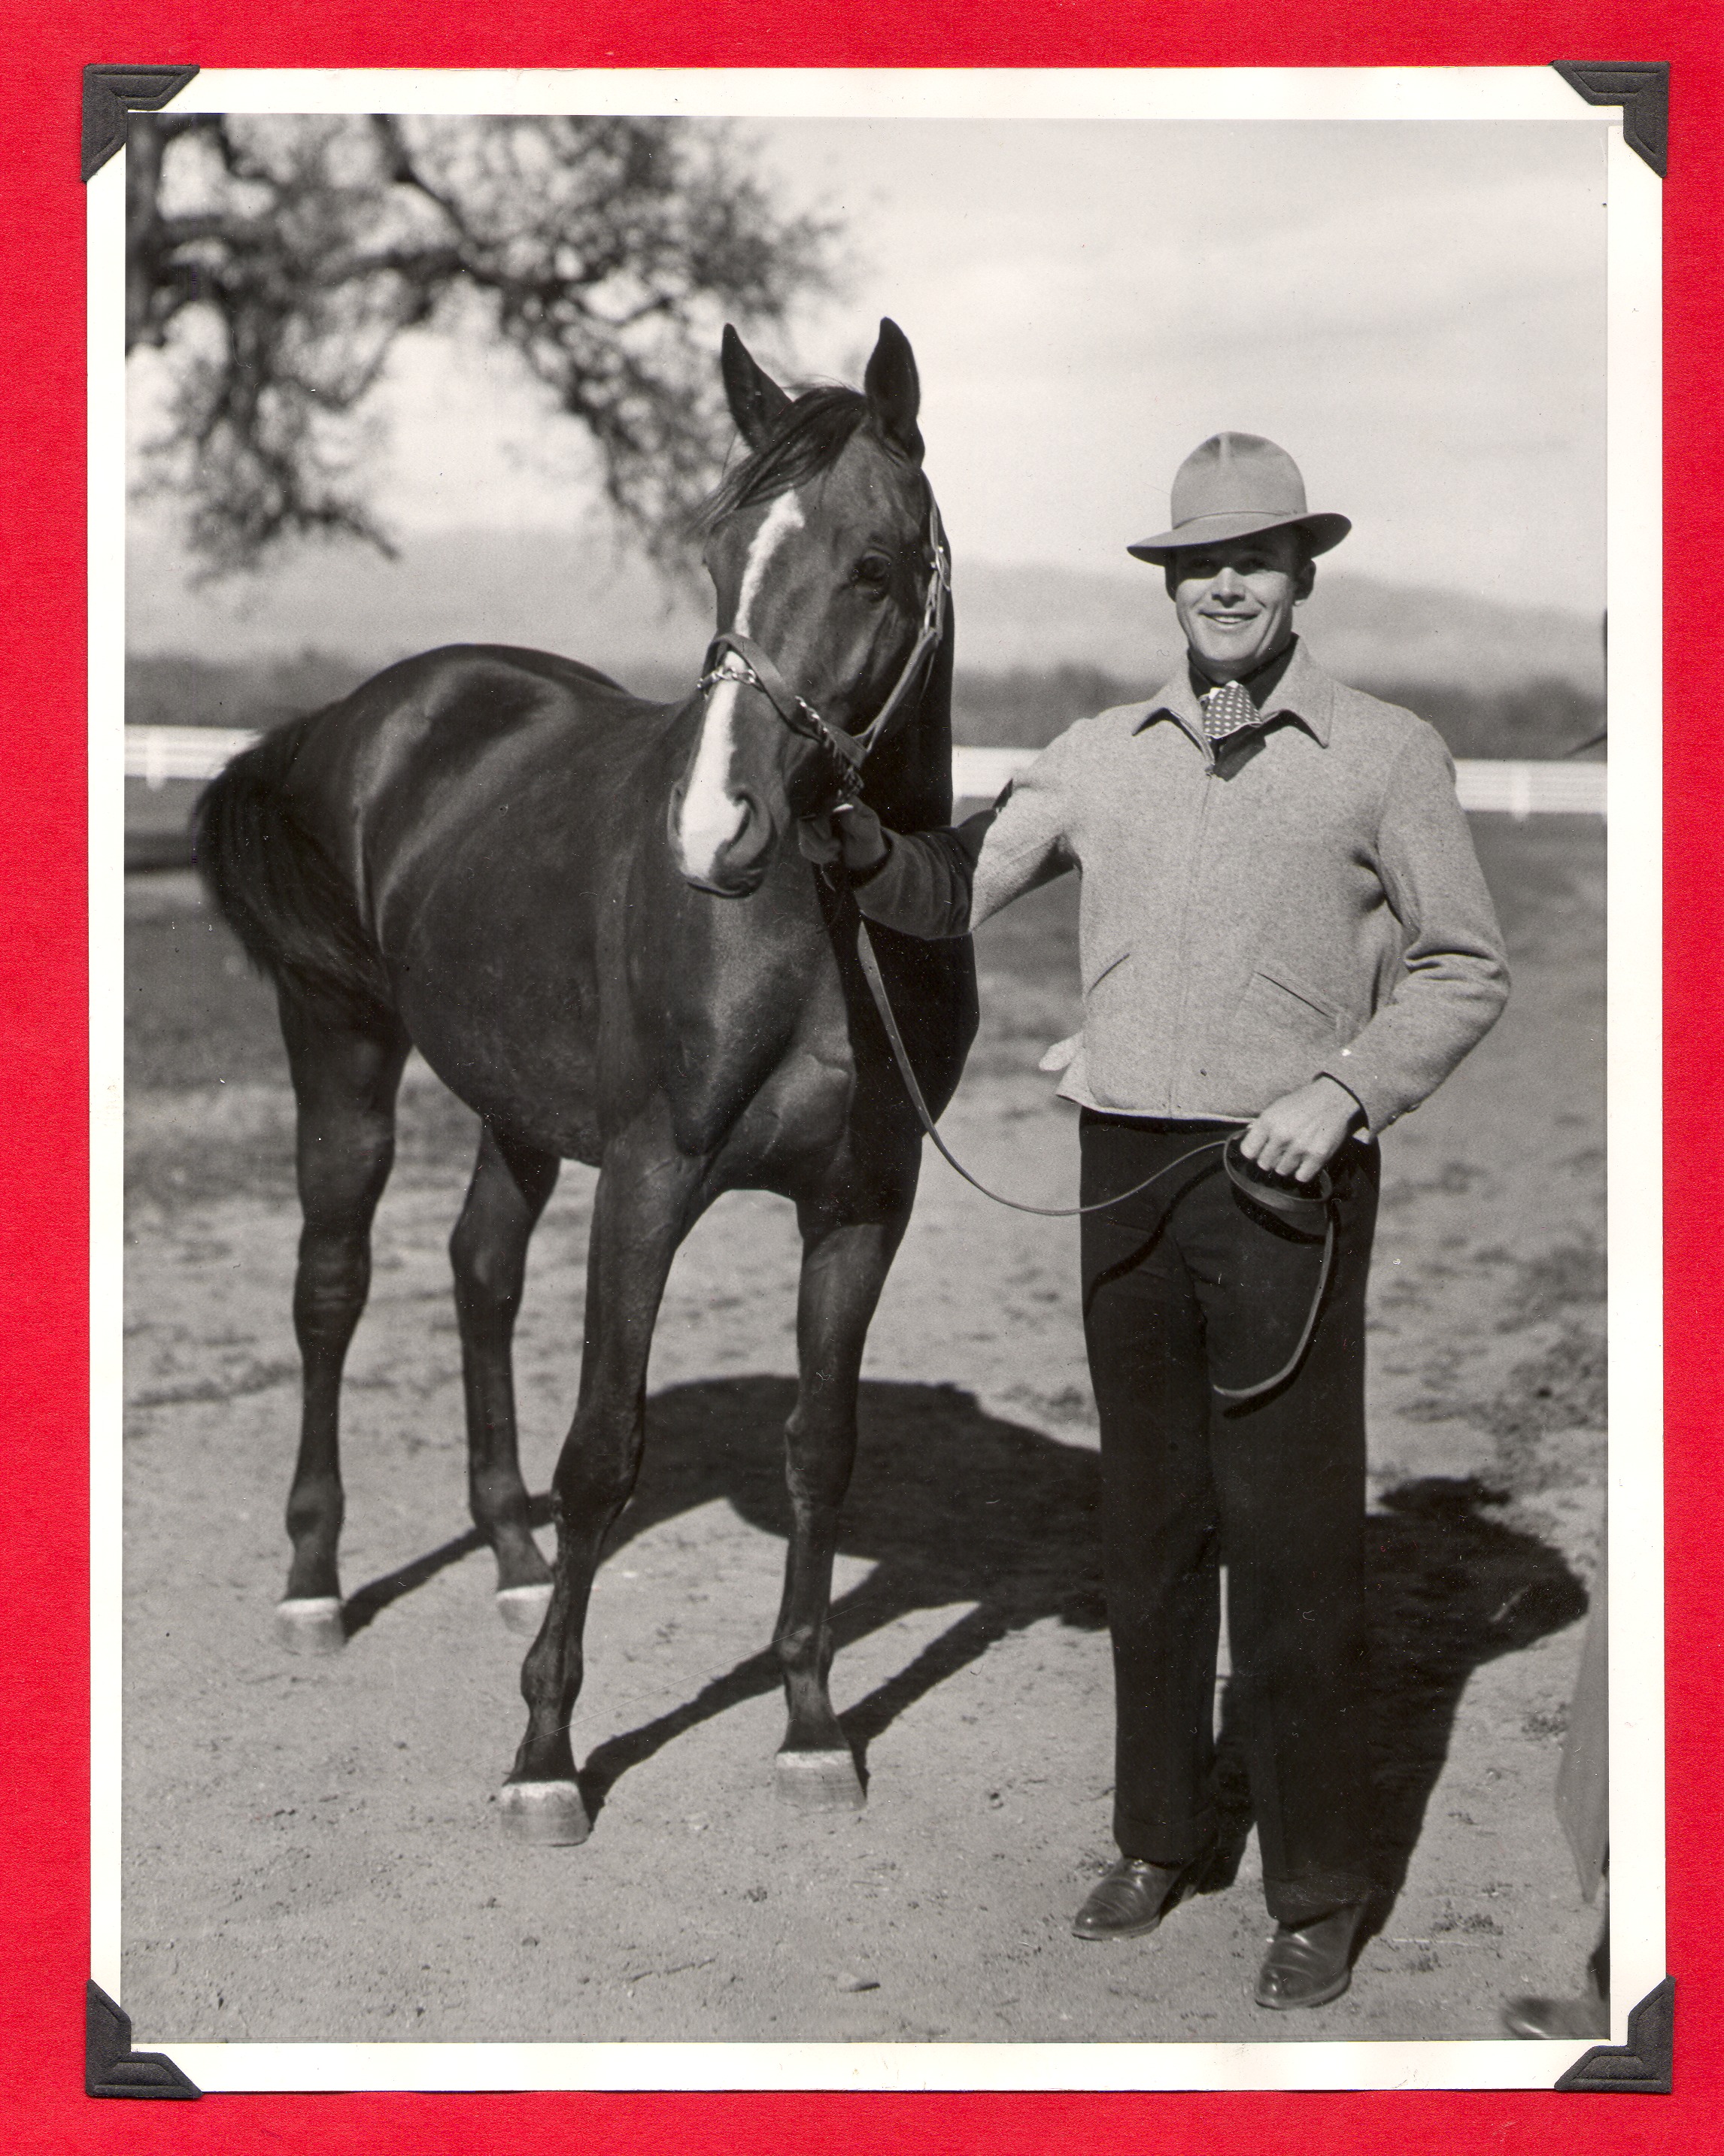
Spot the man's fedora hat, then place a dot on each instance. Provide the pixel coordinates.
(1231, 486)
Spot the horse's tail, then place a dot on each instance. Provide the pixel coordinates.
(292, 907)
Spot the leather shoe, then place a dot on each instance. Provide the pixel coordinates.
(1310, 1965)
(1131, 1899)
(1586, 2016)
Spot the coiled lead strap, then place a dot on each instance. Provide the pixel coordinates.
(1297, 1356)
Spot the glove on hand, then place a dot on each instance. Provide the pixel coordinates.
(853, 836)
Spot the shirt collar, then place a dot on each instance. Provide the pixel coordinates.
(1305, 692)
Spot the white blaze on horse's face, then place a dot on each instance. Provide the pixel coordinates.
(713, 813)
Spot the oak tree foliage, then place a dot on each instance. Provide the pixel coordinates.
(273, 262)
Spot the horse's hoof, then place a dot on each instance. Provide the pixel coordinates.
(522, 1608)
(550, 1815)
(311, 1624)
(818, 1781)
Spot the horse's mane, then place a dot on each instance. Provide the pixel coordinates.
(815, 432)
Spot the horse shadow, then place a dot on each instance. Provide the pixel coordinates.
(951, 1504)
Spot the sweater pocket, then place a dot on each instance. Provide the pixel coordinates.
(1281, 1033)
(1112, 1055)
(1274, 988)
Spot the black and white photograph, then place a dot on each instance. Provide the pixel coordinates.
(869, 841)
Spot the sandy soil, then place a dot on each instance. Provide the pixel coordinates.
(311, 1847)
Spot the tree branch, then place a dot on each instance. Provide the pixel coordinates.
(296, 252)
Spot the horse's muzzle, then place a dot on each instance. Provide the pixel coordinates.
(728, 864)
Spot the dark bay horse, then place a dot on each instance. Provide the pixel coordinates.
(591, 916)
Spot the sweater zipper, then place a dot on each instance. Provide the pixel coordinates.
(1182, 942)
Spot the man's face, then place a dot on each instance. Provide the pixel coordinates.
(1235, 600)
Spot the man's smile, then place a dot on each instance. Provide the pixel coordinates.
(1235, 600)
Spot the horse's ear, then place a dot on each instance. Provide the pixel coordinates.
(894, 390)
(757, 403)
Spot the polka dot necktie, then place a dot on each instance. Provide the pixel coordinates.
(1227, 709)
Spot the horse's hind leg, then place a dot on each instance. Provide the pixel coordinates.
(345, 1080)
(845, 1262)
(649, 1196)
(511, 1185)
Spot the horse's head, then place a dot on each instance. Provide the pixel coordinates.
(824, 549)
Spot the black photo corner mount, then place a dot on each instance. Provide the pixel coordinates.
(1643, 92)
(1642, 2066)
(111, 2066)
(109, 93)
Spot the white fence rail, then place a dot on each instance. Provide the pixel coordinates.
(1530, 789)
(1514, 789)
(156, 754)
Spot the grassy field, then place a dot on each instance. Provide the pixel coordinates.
(1004, 710)
(1025, 711)
(1021, 709)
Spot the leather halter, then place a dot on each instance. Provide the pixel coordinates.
(731, 656)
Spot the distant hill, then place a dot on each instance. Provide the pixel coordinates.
(1367, 632)
(576, 595)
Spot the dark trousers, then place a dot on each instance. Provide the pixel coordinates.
(1186, 1286)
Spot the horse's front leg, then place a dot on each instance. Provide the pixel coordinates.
(648, 1198)
(847, 1250)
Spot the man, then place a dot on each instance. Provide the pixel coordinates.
(1283, 926)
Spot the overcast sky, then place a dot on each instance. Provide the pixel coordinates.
(1416, 311)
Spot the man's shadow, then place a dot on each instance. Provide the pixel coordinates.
(950, 1504)
(1448, 1588)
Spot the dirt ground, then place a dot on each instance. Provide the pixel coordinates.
(312, 1848)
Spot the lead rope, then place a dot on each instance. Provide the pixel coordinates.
(870, 964)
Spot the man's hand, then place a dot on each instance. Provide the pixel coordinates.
(851, 834)
(1299, 1133)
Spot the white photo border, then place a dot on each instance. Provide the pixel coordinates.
(1634, 1111)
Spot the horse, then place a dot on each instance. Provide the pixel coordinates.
(591, 916)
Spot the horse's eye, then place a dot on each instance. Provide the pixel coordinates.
(873, 572)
